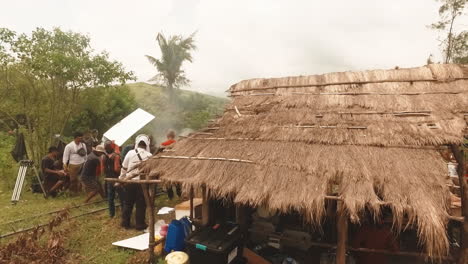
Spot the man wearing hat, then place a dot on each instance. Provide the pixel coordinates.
(133, 191)
(90, 173)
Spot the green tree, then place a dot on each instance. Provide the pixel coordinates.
(460, 48)
(175, 50)
(101, 108)
(42, 76)
(454, 44)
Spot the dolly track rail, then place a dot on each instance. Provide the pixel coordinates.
(51, 212)
(42, 225)
(58, 211)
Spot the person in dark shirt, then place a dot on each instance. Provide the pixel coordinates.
(90, 173)
(112, 170)
(124, 151)
(54, 179)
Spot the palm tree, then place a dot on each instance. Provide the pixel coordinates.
(174, 51)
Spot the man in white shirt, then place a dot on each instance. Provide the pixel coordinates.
(74, 156)
(133, 191)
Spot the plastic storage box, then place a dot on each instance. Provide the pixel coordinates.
(221, 245)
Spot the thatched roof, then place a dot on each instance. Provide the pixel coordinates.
(368, 136)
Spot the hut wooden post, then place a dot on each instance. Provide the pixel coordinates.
(205, 207)
(460, 157)
(147, 186)
(191, 202)
(342, 230)
(149, 200)
(241, 218)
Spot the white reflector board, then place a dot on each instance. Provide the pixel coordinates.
(128, 126)
(139, 242)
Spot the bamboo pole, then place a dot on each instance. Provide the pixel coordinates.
(327, 127)
(460, 157)
(321, 113)
(373, 93)
(237, 111)
(131, 181)
(411, 114)
(274, 140)
(150, 207)
(191, 194)
(259, 94)
(202, 158)
(344, 94)
(347, 83)
(201, 133)
(342, 229)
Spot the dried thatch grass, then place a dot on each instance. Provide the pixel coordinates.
(301, 145)
(296, 176)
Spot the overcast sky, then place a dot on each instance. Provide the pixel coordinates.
(245, 39)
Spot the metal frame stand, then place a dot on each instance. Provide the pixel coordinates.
(24, 164)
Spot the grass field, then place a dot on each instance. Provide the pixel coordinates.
(87, 239)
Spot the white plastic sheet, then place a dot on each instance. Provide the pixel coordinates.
(165, 210)
(128, 126)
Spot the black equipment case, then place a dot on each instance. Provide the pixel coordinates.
(215, 245)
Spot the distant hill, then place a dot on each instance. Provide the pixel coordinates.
(192, 112)
(146, 94)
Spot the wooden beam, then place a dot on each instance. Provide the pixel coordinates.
(379, 251)
(241, 218)
(205, 207)
(460, 157)
(342, 230)
(457, 218)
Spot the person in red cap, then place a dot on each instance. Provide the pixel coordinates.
(170, 140)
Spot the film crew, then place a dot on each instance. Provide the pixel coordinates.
(90, 173)
(54, 179)
(133, 191)
(168, 144)
(74, 156)
(112, 168)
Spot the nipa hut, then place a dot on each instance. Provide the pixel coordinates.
(368, 140)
